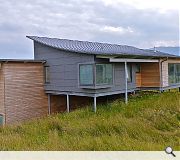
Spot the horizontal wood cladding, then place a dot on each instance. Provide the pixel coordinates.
(1, 90)
(150, 75)
(24, 92)
(64, 70)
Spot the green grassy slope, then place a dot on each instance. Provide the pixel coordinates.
(148, 122)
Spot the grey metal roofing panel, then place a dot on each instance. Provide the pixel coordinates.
(96, 47)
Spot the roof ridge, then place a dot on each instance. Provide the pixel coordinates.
(157, 51)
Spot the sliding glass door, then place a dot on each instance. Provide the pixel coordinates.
(174, 73)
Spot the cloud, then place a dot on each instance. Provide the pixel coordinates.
(117, 30)
(147, 4)
(115, 21)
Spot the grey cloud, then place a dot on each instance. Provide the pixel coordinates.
(83, 20)
(149, 25)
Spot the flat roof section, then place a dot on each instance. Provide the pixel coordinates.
(22, 61)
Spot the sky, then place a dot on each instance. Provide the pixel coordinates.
(139, 23)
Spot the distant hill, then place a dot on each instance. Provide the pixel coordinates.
(171, 50)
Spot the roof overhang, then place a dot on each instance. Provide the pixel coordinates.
(132, 60)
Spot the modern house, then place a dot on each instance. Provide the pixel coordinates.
(67, 73)
(91, 69)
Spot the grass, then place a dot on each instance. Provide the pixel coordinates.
(150, 121)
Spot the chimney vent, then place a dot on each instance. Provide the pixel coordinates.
(155, 49)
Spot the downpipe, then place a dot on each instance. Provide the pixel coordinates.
(161, 62)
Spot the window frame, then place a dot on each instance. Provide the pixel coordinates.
(104, 84)
(3, 119)
(94, 85)
(131, 76)
(46, 78)
(175, 65)
(79, 78)
(177, 74)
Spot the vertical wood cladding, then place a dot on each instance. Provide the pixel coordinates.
(1, 89)
(79, 102)
(165, 76)
(58, 103)
(24, 92)
(150, 75)
(138, 79)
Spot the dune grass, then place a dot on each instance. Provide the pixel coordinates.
(150, 121)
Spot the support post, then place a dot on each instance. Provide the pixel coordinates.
(160, 71)
(49, 104)
(179, 89)
(126, 84)
(95, 109)
(67, 103)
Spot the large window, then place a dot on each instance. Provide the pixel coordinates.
(177, 73)
(104, 74)
(86, 74)
(129, 73)
(174, 73)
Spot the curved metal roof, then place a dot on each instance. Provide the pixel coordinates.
(96, 47)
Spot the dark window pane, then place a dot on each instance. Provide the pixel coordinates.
(100, 74)
(104, 74)
(174, 73)
(177, 74)
(109, 73)
(129, 73)
(138, 68)
(47, 74)
(171, 73)
(86, 74)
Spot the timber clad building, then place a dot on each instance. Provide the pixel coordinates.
(22, 93)
(68, 73)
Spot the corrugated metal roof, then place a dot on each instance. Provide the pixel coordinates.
(96, 47)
